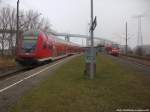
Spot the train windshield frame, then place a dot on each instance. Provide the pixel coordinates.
(29, 43)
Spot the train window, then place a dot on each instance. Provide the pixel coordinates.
(44, 45)
(50, 46)
(29, 44)
(30, 37)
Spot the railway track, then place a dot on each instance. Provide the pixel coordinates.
(135, 63)
(13, 72)
(141, 62)
(21, 69)
(132, 64)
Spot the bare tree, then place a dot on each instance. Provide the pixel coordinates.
(3, 25)
(12, 26)
(31, 20)
(28, 20)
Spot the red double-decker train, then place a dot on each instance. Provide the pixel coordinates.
(36, 47)
(112, 49)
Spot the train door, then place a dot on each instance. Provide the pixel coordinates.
(54, 50)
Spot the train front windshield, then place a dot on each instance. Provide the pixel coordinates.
(29, 43)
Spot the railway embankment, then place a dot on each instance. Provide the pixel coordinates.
(116, 86)
(144, 61)
(7, 64)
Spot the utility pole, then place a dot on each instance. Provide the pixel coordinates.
(82, 43)
(126, 48)
(90, 51)
(92, 44)
(140, 39)
(17, 33)
(87, 39)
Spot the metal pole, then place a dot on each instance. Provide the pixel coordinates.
(139, 30)
(126, 49)
(82, 42)
(17, 34)
(140, 40)
(92, 45)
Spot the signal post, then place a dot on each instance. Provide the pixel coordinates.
(90, 68)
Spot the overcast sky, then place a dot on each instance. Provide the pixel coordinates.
(73, 16)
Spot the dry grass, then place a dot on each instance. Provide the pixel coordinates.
(7, 62)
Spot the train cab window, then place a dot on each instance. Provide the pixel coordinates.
(44, 45)
(50, 46)
(29, 43)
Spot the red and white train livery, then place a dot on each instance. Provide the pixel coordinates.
(35, 47)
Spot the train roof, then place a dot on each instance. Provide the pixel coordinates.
(37, 32)
(63, 41)
(32, 32)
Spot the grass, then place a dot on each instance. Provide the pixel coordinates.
(7, 62)
(114, 87)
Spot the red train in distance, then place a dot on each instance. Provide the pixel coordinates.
(36, 47)
(112, 49)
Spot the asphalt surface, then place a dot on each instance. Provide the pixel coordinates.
(11, 89)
